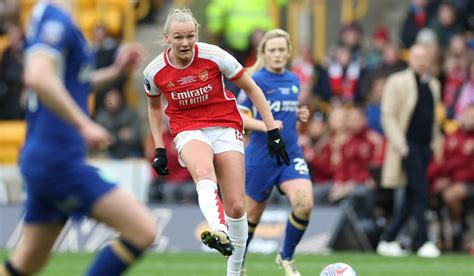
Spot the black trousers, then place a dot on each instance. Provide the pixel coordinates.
(415, 199)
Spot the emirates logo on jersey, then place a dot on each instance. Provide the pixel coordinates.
(203, 75)
(194, 96)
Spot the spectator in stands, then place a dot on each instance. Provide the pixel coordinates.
(415, 20)
(11, 71)
(466, 93)
(408, 116)
(328, 158)
(123, 123)
(321, 89)
(352, 177)
(444, 24)
(350, 36)
(391, 63)
(454, 174)
(455, 74)
(345, 76)
(303, 66)
(105, 48)
(232, 23)
(380, 39)
(373, 109)
(312, 142)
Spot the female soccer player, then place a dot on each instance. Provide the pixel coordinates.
(281, 88)
(207, 126)
(58, 181)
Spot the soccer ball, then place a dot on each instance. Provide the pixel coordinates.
(338, 269)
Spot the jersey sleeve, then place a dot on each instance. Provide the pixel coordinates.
(151, 89)
(51, 37)
(228, 65)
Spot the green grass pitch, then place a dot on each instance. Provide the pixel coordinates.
(190, 264)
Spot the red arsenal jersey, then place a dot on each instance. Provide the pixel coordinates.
(196, 94)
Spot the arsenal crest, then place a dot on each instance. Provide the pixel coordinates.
(203, 75)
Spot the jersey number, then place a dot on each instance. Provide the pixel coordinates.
(300, 165)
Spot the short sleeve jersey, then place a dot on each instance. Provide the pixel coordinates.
(281, 91)
(196, 95)
(52, 32)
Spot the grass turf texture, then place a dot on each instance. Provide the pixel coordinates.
(257, 264)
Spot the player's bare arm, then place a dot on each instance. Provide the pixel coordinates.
(257, 97)
(250, 123)
(40, 76)
(155, 117)
(128, 58)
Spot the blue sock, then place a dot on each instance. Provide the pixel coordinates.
(295, 228)
(252, 227)
(8, 270)
(114, 259)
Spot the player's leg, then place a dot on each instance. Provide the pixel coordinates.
(300, 195)
(254, 213)
(33, 250)
(230, 171)
(121, 211)
(198, 157)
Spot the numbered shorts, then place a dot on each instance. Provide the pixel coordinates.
(259, 181)
(220, 139)
(56, 195)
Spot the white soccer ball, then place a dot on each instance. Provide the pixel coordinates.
(338, 269)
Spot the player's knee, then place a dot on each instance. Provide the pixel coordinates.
(33, 264)
(148, 236)
(204, 172)
(303, 209)
(143, 237)
(235, 209)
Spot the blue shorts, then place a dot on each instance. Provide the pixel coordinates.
(259, 181)
(53, 197)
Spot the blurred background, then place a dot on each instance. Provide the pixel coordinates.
(343, 51)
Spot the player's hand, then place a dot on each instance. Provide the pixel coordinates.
(129, 57)
(96, 136)
(277, 147)
(279, 124)
(160, 162)
(302, 113)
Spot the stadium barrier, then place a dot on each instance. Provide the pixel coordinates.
(179, 225)
(179, 230)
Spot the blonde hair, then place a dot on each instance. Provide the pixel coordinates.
(275, 33)
(179, 15)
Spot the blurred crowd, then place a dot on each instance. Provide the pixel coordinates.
(344, 142)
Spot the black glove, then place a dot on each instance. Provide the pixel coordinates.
(277, 147)
(160, 162)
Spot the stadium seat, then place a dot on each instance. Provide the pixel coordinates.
(12, 136)
(89, 13)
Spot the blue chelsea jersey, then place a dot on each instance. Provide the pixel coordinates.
(281, 91)
(49, 139)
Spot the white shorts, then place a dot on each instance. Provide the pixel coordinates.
(220, 139)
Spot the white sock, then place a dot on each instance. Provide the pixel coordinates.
(238, 233)
(211, 205)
